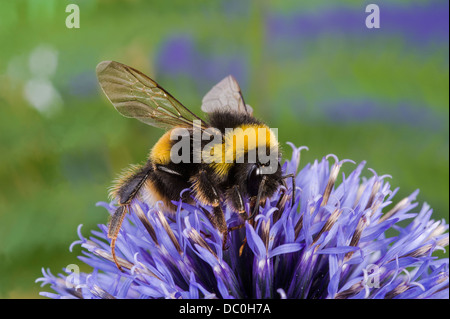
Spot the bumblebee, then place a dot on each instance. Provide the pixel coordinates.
(230, 177)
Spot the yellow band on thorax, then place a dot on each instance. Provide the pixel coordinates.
(160, 153)
(240, 141)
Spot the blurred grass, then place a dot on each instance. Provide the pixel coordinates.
(364, 95)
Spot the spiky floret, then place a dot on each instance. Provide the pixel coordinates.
(337, 240)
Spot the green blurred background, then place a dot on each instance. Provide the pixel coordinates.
(310, 68)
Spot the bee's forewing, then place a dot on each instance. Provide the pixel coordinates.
(135, 95)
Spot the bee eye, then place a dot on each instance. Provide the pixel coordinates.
(253, 180)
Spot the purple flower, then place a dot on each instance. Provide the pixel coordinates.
(338, 240)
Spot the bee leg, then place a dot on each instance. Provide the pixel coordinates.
(292, 176)
(283, 199)
(207, 194)
(217, 219)
(236, 227)
(205, 234)
(241, 249)
(125, 193)
(113, 231)
(258, 197)
(221, 224)
(204, 190)
(236, 201)
(255, 209)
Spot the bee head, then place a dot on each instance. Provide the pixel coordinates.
(249, 177)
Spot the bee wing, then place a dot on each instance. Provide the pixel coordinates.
(135, 95)
(225, 95)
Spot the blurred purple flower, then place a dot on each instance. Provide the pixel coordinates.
(332, 243)
(397, 21)
(181, 56)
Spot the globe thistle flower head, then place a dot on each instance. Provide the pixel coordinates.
(333, 240)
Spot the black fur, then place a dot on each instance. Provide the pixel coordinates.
(223, 120)
(131, 186)
(235, 198)
(204, 189)
(209, 187)
(171, 185)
